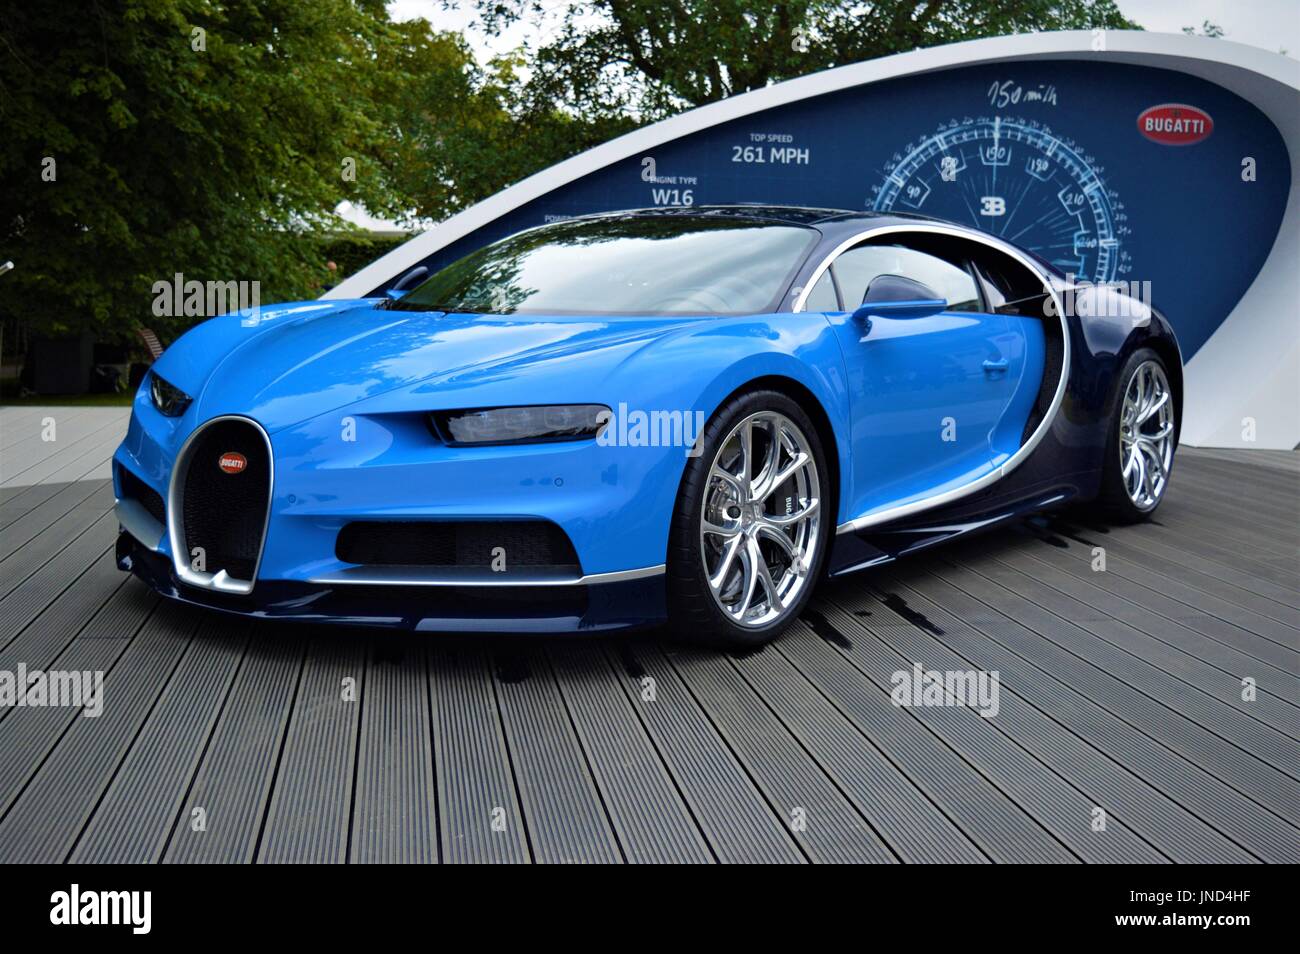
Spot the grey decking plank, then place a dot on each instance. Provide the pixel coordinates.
(1210, 594)
(476, 788)
(1282, 465)
(32, 524)
(822, 820)
(1216, 608)
(649, 817)
(1140, 804)
(92, 520)
(27, 446)
(562, 807)
(19, 425)
(1270, 481)
(1105, 643)
(1255, 537)
(907, 818)
(1140, 539)
(239, 764)
(44, 627)
(1245, 538)
(311, 803)
(1284, 459)
(46, 465)
(1267, 835)
(1272, 514)
(46, 820)
(135, 819)
(1208, 637)
(1163, 722)
(731, 812)
(16, 423)
(21, 501)
(28, 735)
(1206, 546)
(33, 458)
(94, 464)
(855, 676)
(394, 816)
(988, 815)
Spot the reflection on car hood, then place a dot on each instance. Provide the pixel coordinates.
(298, 363)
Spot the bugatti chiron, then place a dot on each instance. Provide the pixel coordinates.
(685, 415)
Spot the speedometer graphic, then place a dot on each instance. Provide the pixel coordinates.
(1017, 180)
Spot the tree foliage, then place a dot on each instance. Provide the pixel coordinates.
(462, 135)
(142, 138)
(148, 137)
(659, 56)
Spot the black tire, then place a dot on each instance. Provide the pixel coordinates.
(1114, 497)
(694, 613)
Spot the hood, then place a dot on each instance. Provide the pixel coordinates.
(299, 362)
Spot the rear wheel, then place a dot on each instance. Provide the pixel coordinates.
(751, 528)
(1140, 451)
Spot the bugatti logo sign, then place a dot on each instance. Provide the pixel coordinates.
(1174, 124)
(232, 462)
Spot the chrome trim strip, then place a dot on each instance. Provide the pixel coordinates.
(474, 576)
(872, 518)
(139, 522)
(176, 507)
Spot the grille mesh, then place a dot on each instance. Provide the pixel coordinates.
(532, 543)
(225, 514)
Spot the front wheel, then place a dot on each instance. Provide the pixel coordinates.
(1140, 449)
(752, 524)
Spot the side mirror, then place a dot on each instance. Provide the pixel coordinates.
(893, 296)
(912, 308)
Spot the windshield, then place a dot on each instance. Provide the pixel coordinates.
(623, 265)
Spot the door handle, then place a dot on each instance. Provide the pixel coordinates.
(996, 366)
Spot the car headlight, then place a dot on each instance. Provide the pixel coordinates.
(170, 400)
(520, 425)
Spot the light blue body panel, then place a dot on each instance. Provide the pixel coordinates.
(936, 402)
(343, 390)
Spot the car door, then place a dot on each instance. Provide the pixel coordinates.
(930, 396)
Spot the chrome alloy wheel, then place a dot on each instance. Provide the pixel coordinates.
(761, 521)
(1146, 435)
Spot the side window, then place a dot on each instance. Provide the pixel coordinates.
(1011, 289)
(823, 297)
(855, 269)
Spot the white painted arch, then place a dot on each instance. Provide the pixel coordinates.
(1250, 366)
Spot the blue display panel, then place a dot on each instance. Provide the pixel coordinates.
(1051, 155)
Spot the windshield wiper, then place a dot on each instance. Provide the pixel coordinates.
(397, 304)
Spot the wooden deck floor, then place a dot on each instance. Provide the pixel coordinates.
(1121, 692)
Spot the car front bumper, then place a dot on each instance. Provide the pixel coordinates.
(590, 607)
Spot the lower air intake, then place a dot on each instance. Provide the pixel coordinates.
(523, 543)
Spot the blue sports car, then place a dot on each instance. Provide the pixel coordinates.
(685, 415)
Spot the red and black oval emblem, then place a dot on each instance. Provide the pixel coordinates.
(232, 462)
(1175, 124)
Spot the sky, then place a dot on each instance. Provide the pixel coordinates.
(1273, 25)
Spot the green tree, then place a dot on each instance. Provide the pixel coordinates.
(147, 137)
(655, 57)
(459, 135)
